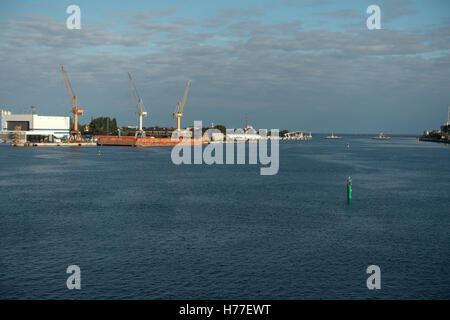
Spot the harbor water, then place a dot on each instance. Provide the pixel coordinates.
(140, 227)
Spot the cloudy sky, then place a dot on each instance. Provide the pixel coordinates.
(288, 64)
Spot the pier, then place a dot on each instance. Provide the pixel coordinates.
(55, 144)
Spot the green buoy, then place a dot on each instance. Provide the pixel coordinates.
(349, 188)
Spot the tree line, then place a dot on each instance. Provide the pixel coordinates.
(98, 126)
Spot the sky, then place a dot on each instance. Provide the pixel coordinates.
(307, 65)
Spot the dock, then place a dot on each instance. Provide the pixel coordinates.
(55, 144)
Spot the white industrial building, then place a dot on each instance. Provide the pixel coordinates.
(2, 114)
(35, 127)
(248, 133)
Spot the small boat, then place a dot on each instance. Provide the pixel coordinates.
(333, 137)
(381, 136)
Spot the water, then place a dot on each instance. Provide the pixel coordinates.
(140, 227)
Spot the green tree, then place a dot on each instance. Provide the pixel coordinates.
(103, 126)
(114, 126)
(222, 129)
(283, 132)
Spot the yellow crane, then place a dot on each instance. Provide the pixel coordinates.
(75, 108)
(180, 105)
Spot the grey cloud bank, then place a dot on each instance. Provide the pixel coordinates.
(282, 74)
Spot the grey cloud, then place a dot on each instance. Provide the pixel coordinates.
(229, 15)
(247, 28)
(146, 14)
(393, 9)
(276, 69)
(365, 43)
(44, 31)
(216, 22)
(306, 3)
(232, 13)
(344, 13)
(149, 14)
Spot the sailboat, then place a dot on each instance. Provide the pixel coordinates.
(333, 137)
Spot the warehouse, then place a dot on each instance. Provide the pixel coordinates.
(36, 128)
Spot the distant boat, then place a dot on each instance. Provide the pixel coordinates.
(333, 137)
(381, 136)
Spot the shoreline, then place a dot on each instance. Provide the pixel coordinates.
(434, 140)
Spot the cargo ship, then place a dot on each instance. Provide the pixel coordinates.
(130, 141)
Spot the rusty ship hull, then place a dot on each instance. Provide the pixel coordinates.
(127, 141)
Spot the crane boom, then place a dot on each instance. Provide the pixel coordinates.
(185, 96)
(139, 106)
(68, 87)
(133, 90)
(177, 109)
(180, 106)
(74, 104)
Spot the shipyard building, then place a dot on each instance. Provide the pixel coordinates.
(33, 128)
